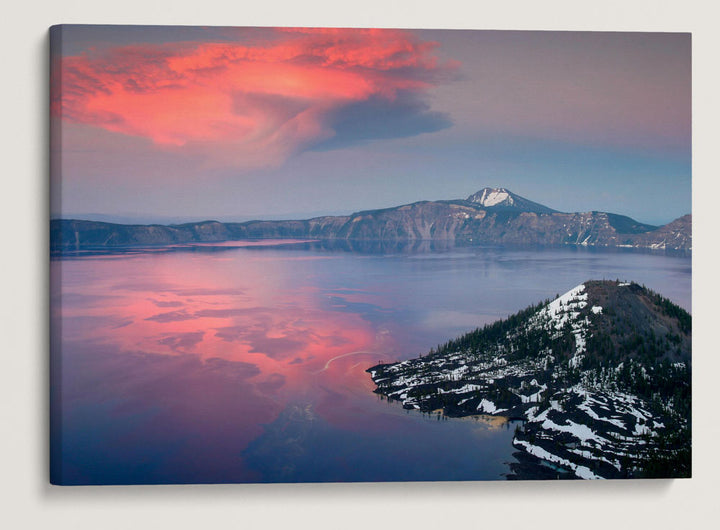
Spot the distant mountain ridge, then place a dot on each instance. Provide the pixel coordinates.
(600, 376)
(492, 216)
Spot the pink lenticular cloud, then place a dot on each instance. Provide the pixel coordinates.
(244, 105)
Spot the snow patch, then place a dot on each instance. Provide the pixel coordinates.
(492, 197)
(580, 471)
(489, 407)
(579, 431)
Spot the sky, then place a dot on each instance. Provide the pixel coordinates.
(171, 124)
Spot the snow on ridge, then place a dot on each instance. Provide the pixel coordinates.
(566, 309)
(494, 196)
(578, 430)
(561, 306)
(539, 452)
(489, 407)
(592, 444)
(463, 390)
(642, 429)
(587, 409)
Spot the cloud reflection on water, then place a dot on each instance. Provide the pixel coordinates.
(173, 364)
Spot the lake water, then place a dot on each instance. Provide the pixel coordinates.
(246, 362)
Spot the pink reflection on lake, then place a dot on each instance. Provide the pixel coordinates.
(248, 364)
(198, 354)
(238, 310)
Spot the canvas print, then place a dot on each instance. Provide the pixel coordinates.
(336, 255)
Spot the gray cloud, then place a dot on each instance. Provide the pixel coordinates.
(378, 118)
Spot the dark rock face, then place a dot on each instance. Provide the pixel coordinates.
(600, 377)
(492, 216)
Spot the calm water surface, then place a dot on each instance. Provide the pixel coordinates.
(246, 362)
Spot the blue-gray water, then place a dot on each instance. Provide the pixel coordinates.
(247, 364)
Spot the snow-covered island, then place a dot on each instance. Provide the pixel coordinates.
(600, 378)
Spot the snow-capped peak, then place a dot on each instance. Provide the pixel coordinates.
(504, 199)
(492, 197)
